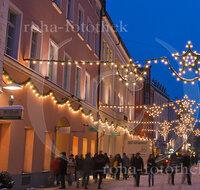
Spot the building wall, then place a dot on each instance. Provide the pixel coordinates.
(3, 26)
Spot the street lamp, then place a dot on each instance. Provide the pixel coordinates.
(12, 87)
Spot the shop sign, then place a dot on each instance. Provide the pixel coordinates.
(115, 134)
(11, 113)
(93, 129)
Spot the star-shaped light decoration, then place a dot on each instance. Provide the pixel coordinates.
(165, 129)
(188, 61)
(184, 106)
(154, 110)
(196, 132)
(132, 72)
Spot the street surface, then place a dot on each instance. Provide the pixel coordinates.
(161, 183)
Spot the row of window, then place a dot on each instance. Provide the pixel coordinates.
(29, 147)
(35, 49)
(89, 28)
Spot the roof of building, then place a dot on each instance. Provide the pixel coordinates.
(117, 33)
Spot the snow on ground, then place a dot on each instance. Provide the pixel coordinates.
(161, 183)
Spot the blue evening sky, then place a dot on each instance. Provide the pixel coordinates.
(156, 28)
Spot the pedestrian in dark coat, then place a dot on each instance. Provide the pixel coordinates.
(100, 163)
(172, 168)
(94, 168)
(119, 166)
(87, 170)
(79, 168)
(186, 167)
(125, 164)
(107, 164)
(150, 169)
(138, 168)
(63, 169)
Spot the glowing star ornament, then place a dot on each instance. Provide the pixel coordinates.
(165, 129)
(185, 106)
(188, 61)
(154, 110)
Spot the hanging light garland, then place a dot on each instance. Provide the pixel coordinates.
(50, 94)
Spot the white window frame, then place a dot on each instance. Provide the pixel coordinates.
(68, 73)
(54, 78)
(36, 28)
(82, 10)
(89, 22)
(16, 10)
(109, 95)
(87, 75)
(94, 93)
(57, 7)
(96, 46)
(71, 21)
(75, 93)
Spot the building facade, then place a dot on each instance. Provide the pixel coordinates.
(53, 52)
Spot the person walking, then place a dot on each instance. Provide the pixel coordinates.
(107, 164)
(119, 166)
(150, 169)
(186, 166)
(111, 170)
(55, 171)
(87, 169)
(94, 168)
(138, 168)
(70, 170)
(63, 169)
(172, 168)
(79, 169)
(125, 164)
(132, 164)
(100, 163)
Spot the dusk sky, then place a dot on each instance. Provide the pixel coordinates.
(158, 28)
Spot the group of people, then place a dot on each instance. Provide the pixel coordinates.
(101, 165)
(77, 168)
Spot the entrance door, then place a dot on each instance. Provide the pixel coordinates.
(62, 136)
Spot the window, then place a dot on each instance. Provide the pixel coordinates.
(115, 98)
(78, 82)
(35, 48)
(98, 11)
(102, 91)
(109, 96)
(80, 22)
(47, 150)
(84, 147)
(96, 44)
(66, 75)
(28, 150)
(53, 55)
(58, 3)
(87, 87)
(70, 10)
(111, 56)
(107, 53)
(118, 102)
(89, 34)
(104, 51)
(4, 146)
(92, 147)
(12, 35)
(94, 97)
(91, 2)
(75, 146)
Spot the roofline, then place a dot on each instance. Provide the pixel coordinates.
(117, 33)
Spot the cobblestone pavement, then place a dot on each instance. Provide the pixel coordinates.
(161, 183)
